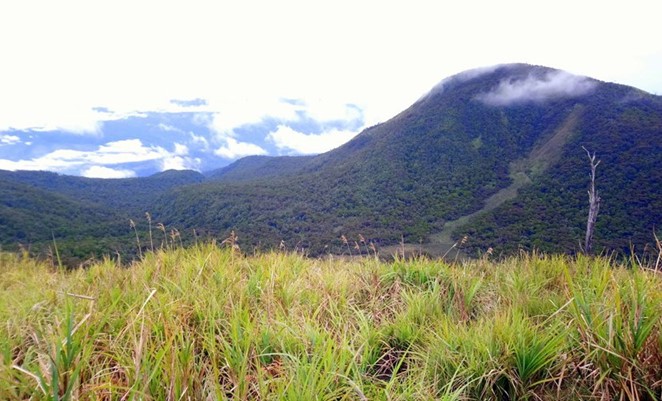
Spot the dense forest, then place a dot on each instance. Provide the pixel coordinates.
(550, 214)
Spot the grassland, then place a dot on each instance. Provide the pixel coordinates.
(208, 323)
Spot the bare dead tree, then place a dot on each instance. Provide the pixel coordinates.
(594, 205)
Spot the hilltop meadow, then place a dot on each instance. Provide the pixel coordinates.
(210, 323)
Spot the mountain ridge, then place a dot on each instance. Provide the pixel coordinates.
(490, 143)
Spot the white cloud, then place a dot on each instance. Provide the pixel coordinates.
(169, 128)
(9, 139)
(180, 149)
(199, 140)
(125, 151)
(234, 149)
(111, 153)
(38, 117)
(283, 111)
(326, 110)
(236, 59)
(180, 163)
(189, 102)
(233, 114)
(287, 139)
(58, 114)
(106, 172)
(552, 85)
(178, 160)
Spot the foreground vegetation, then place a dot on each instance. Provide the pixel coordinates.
(209, 323)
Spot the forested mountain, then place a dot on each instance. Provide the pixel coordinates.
(513, 131)
(494, 153)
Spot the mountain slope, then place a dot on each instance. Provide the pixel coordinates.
(33, 218)
(494, 153)
(86, 217)
(260, 167)
(476, 134)
(120, 194)
(550, 214)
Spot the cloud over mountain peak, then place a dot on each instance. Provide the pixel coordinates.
(537, 88)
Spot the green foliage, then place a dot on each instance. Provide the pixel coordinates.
(208, 323)
(618, 319)
(550, 215)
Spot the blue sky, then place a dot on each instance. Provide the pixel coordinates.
(130, 88)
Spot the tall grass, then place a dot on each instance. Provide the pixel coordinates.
(209, 323)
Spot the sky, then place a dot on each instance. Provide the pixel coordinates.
(121, 88)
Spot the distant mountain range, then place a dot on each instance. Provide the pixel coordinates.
(494, 154)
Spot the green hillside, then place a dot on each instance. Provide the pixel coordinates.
(260, 167)
(550, 214)
(128, 195)
(84, 218)
(32, 218)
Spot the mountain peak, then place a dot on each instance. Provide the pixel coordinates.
(506, 84)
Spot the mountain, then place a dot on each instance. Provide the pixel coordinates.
(495, 154)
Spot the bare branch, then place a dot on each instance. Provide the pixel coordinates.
(594, 204)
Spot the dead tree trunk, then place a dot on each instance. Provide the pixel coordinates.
(594, 205)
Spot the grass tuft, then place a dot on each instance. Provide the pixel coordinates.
(208, 322)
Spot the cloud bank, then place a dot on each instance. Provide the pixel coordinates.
(290, 126)
(94, 163)
(191, 134)
(552, 85)
(233, 149)
(288, 140)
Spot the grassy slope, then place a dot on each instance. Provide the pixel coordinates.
(207, 323)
